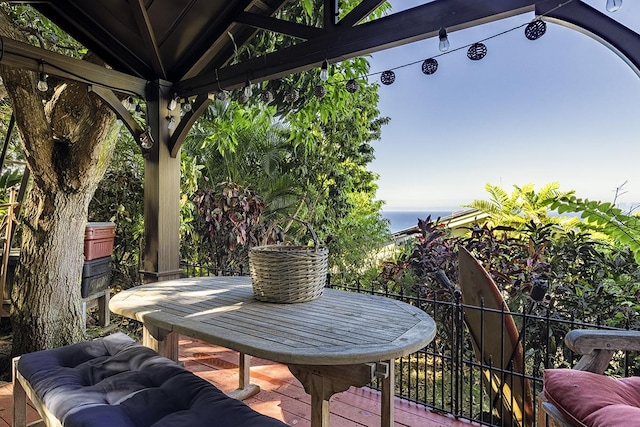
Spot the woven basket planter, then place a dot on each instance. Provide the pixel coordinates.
(288, 274)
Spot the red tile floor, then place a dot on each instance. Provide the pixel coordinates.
(281, 395)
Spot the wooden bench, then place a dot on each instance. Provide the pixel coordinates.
(584, 396)
(113, 381)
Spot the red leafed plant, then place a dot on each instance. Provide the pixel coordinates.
(229, 223)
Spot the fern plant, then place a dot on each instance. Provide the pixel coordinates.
(604, 217)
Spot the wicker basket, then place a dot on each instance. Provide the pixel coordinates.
(288, 274)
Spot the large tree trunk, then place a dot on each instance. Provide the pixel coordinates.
(68, 136)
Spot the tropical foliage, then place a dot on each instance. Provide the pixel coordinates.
(524, 205)
(603, 217)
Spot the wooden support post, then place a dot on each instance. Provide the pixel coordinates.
(161, 193)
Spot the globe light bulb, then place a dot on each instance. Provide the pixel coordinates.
(186, 107)
(324, 71)
(613, 5)
(444, 40)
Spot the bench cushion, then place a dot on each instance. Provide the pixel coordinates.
(113, 381)
(588, 399)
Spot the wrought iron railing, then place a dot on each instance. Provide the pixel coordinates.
(447, 376)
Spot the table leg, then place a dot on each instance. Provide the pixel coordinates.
(322, 382)
(161, 340)
(245, 389)
(386, 372)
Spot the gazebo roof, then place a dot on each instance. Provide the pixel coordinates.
(192, 44)
(165, 39)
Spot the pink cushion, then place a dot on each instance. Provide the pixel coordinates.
(589, 399)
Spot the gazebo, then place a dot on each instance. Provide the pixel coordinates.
(159, 50)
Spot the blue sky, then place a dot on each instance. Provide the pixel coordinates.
(562, 108)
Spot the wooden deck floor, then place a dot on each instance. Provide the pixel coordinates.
(281, 395)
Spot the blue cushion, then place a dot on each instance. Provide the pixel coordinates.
(113, 381)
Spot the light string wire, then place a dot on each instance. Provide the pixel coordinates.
(78, 77)
(366, 76)
(537, 18)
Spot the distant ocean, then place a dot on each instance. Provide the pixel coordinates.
(401, 220)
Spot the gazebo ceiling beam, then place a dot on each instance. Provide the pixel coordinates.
(145, 28)
(201, 54)
(330, 14)
(275, 25)
(100, 39)
(587, 20)
(360, 12)
(23, 55)
(343, 43)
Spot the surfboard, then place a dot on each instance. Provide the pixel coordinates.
(495, 342)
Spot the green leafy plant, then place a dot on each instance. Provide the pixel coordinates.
(604, 217)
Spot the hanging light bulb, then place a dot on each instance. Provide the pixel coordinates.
(146, 140)
(42, 80)
(222, 97)
(444, 40)
(613, 5)
(172, 122)
(126, 103)
(247, 90)
(324, 71)
(173, 103)
(138, 111)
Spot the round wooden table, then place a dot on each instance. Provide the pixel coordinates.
(339, 340)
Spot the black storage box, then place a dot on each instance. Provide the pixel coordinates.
(96, 276)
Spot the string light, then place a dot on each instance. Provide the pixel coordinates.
(42, 80)
(352, 85)
(126, 103)
(475, 51)
(324, 71)
(535, 29)
(613, 5)
(388, 77)
(221, 96)
(173, 103)
(247, 89)
(429, 66)
(172, 122)
(292, 95)
(266, 96)
(186, 106)
(320, 91)
(146, 140)
(444, 40)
